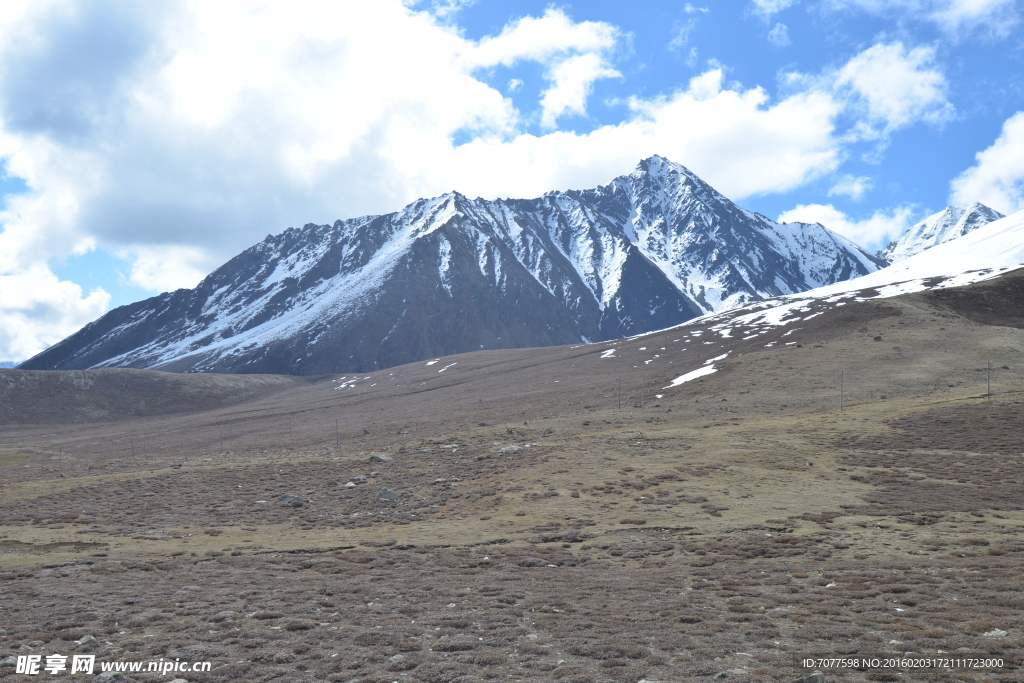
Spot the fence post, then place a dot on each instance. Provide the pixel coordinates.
(840, 391)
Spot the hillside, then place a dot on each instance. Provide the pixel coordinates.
(502, 514)
(84, 396)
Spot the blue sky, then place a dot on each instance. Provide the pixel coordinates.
(671, 42)
(145, 145)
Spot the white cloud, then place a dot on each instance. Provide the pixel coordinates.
(572, 79)
(37, 309)
(779, 35)
(997, 179)
(767, 8)
(871, 233)
(541, 39)
(853, 187)
(167, 267)
(681, 34)
(515, 85)
(896, 86)
(955, 17)
(576, 55)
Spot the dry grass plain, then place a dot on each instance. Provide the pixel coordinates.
(730, 527)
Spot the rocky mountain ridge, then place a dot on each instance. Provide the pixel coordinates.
(948, 224)
(450, 274)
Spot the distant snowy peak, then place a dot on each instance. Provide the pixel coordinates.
(948, 224)
(991, 250)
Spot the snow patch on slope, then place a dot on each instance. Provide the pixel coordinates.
(692, 375)
(445, 264)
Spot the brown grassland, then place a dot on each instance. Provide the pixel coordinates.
(731, 526)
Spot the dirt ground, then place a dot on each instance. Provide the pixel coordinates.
(547, 514)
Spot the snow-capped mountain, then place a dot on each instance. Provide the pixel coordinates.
(987, 252)
(647, 251)
(948, 224)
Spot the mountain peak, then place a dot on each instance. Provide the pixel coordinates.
(952, 222)
(675, 174)
(659, 167)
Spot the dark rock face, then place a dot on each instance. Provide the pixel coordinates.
(291, 501)
(450, 274)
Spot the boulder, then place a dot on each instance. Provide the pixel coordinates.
(386, 494)
(87, 643)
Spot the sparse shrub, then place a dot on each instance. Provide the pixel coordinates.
(457, 644)
(455, 623)
(489, 659)
(537, 649)
(405, 663)
(606, 649)
(376, 638)
(409, 645)
(609, 663)
(570, 673)
(300, 625)
(433, 672)
(628, 674)
(267, 615)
